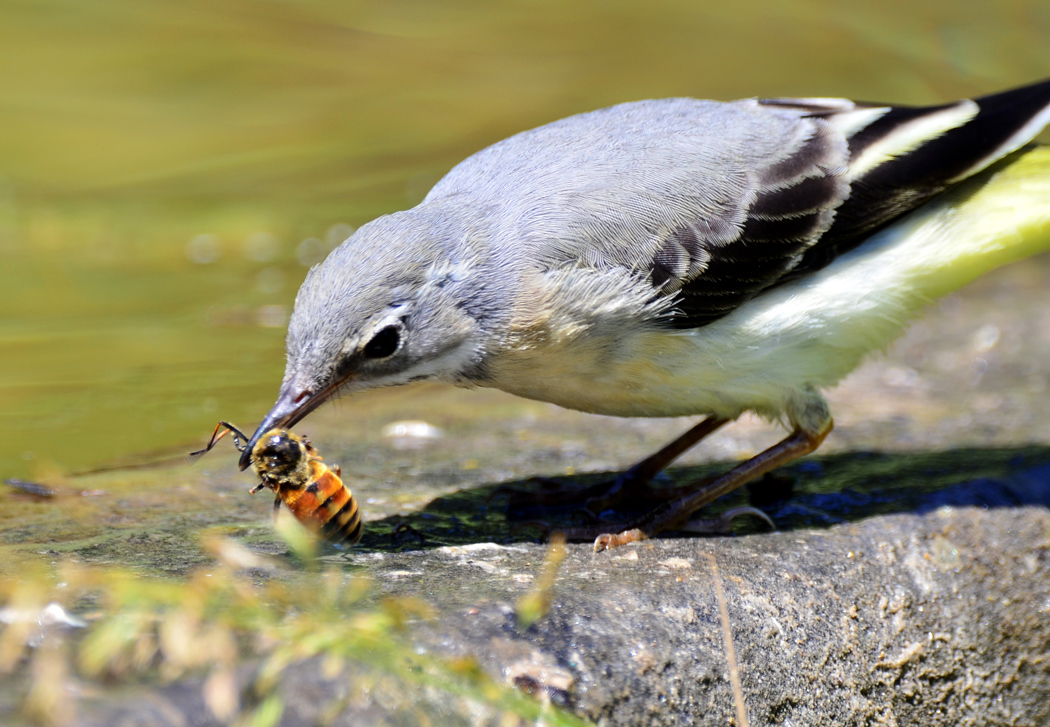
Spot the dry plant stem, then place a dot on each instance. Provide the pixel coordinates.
(727, 638)
(673, 515)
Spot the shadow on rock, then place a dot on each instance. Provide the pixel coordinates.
(816, 493)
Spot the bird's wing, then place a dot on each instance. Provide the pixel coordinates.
(899, 157)
(714, 203)
(789, 204)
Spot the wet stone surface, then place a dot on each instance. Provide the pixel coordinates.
(876, 601)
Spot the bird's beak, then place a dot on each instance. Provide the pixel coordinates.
(292, 405)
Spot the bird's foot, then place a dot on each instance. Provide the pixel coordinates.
(678, 514)
(633, 486)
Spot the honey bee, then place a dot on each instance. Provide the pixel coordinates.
(290, 466)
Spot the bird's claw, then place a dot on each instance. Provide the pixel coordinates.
(710, 526)
(724, 523)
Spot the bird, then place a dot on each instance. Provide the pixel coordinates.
(676, 257)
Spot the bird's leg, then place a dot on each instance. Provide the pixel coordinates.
(808, 413)
(675, 515)
(632, 485)
(635, 482)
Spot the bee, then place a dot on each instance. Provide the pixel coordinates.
(290, 466)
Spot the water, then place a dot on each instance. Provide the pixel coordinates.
(168, 171)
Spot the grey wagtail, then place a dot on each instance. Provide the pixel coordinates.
(678, 257)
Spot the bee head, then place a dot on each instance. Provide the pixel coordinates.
(281, 456)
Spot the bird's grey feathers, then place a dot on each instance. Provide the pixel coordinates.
(666, 189)
(715, 202)
(370, 282)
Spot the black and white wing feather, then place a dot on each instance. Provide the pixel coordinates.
(792, 203)
(899, 157)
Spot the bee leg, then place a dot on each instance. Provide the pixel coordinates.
(226, 428)
(238, 436)
(257, 488)
(216, 435)
(276, 508)
(338, 470)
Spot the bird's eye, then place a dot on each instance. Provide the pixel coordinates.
(383, 344)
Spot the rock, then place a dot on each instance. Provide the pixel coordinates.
(933, 616)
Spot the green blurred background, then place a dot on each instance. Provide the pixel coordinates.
(169, 170)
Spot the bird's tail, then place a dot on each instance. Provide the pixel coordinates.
(996, 217)
(902, 156)
(936, 146)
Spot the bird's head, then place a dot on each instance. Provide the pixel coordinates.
(401, 300)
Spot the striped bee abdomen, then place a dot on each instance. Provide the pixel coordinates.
(325, 505)
(342, 523)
